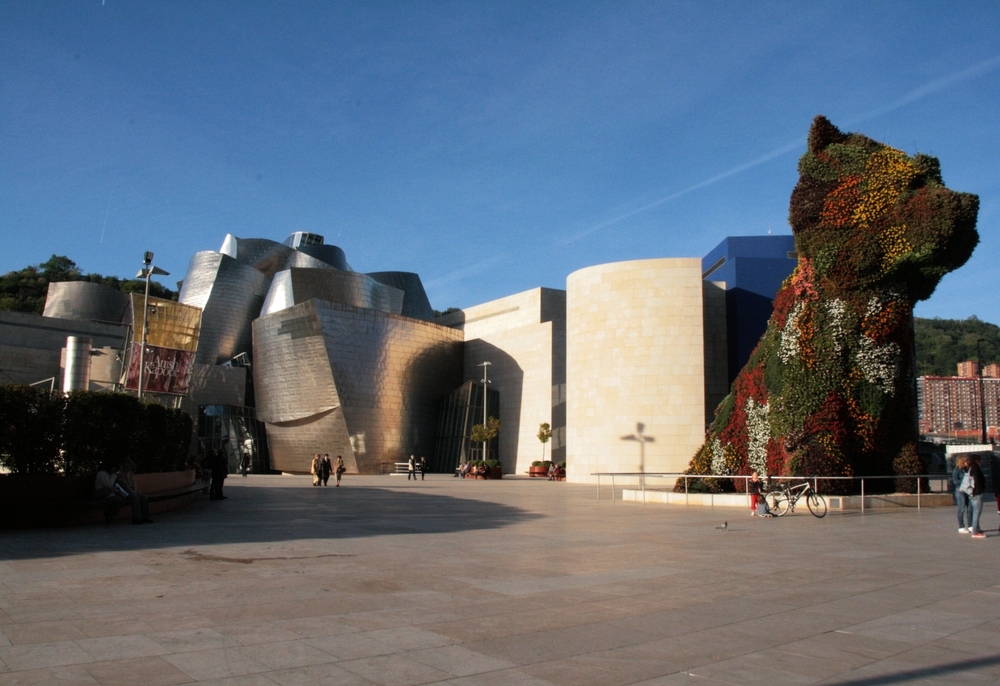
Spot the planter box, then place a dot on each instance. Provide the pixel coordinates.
(50, 500)
(538, 471)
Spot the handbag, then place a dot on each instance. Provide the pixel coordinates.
(968, 484)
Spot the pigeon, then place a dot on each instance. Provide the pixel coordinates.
(723, 526)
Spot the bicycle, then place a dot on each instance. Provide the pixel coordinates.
(783, 498)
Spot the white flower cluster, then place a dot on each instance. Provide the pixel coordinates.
(718, 458)
(837, 309)
(758, 432)
(879, 364)
(790, 334)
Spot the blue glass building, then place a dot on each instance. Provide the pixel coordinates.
(753, 268)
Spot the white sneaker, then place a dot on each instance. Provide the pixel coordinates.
(963, 530)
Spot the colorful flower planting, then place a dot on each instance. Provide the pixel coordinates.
(829, 390)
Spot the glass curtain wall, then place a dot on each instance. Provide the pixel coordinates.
(462, 410)
(236, 429)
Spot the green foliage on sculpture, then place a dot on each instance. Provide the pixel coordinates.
(829, 389)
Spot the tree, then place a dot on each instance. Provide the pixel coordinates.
(26, 290)
(486, 433)
(544, 434)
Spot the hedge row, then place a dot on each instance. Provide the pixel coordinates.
(43, 433)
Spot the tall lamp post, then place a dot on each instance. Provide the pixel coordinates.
(982, 389)
(147, 271)
(485, 365)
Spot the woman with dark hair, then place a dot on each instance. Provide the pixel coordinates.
(978, 488)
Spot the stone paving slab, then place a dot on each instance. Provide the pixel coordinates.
(474, 583)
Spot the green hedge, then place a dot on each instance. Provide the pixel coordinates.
(49, 434)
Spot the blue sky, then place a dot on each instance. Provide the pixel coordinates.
(491, 147)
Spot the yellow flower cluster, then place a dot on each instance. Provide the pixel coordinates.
(894, 245)
(887, 173)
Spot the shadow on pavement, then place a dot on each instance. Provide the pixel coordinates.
(273, 513)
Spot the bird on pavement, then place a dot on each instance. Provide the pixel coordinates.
(723, 526)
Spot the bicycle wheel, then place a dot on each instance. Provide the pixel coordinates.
(777, 503)
(817, 505)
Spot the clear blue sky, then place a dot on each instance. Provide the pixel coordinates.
(491, 147)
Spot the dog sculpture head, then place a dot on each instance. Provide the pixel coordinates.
(866, 214)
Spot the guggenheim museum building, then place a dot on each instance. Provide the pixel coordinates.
(626, 364)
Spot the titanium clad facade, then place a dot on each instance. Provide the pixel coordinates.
(230, 295)
(330, 254)
(85, 301)
(264, 255)
(293, 286)
(352, 381)
(415, 302)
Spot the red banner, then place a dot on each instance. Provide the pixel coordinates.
(166, 370)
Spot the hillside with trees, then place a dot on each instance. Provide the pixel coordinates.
(25, 290)
(943, 343)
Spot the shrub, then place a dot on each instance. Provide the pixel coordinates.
(31, 426)
(100, 431)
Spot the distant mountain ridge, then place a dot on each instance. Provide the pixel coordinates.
(942, 343)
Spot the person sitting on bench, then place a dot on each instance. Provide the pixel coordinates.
(139, 502)
(105, 490)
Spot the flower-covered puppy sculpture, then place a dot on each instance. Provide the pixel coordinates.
(829, 390)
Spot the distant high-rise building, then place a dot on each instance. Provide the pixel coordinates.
(951, 407)
(991, 371)
(968, 369)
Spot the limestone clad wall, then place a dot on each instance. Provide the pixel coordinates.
(523, 336)
(634, 355)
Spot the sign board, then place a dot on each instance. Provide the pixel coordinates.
(171, 343)
(167, 370)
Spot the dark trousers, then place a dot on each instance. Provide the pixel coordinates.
(215, 492)
(412, 474)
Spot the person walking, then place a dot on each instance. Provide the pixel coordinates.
(961, 497)
(423, 467)
(245, 464)
(339, 468)
(411, 469)
(978, 489)
(325, 468)
(314, 469)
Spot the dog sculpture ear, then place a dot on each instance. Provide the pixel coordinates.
(822, 133)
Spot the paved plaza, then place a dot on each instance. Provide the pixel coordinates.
(385, 581)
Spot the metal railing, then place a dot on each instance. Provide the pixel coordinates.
(765, 484)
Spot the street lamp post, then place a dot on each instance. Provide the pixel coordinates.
(485, 365)
(982, 390)
(146, 272)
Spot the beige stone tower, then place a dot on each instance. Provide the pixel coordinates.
(636, 365)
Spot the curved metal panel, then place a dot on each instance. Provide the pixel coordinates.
(415, 303)
(297, 259)
(294, 286)
(292, 375)
(85, 301)
(230, 294)
(330, 254)
(262, 254)
(387, 374)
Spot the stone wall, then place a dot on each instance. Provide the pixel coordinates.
(635, 355)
